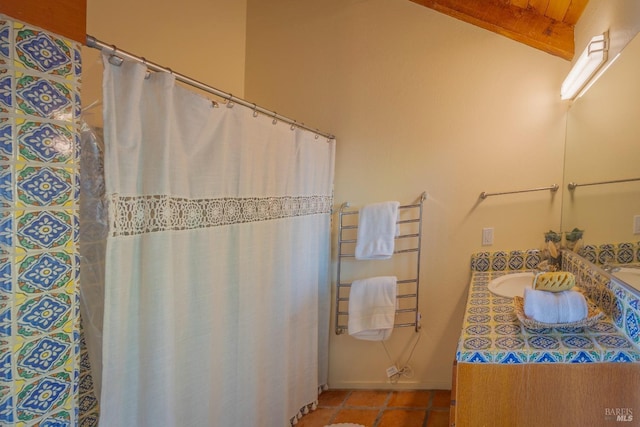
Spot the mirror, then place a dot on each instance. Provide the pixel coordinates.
(603, 144)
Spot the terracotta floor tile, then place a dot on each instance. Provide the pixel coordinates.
(366, 417)
(438, 419)
(375, 398)
(318, 418)
(441, 399)
(402, 417)
(410, 399)
(381, 408)
(332, 397)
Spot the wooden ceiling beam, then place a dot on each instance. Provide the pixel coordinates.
(557, 9)
(539, 5)
(574, 12)
(67, 18)
(523, 25)
(520, 3)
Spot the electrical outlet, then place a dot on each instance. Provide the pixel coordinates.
(391, 371)
(636, 224)
(487, 236)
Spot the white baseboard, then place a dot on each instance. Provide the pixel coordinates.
(400, 385)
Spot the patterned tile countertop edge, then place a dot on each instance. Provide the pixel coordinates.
(492, 333)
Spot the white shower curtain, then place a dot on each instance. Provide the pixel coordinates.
(217, 281)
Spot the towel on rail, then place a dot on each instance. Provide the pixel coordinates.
(372, 308)
(377, 230)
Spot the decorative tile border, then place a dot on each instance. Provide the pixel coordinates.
(505, 261)
(612, 253)
(39, 266)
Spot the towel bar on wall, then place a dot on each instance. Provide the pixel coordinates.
(573, 185)
(412, 237)
(553, 189)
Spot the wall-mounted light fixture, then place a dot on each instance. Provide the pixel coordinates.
(589, 62)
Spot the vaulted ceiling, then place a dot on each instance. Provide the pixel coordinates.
(543, 24)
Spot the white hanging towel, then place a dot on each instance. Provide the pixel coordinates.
(377, 230)
(372, 308)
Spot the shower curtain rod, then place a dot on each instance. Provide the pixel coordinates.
(97, 44)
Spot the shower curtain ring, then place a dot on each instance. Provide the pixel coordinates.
(275, 119)
(293, 125)
(230, 103)
(255, 110)
(114, 59)
(147, 72)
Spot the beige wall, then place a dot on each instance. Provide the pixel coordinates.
(418, 101)
(203, 39)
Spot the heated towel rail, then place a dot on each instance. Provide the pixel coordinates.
(408, 241)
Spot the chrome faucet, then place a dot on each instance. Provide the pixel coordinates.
(544, 267)
(610, 268)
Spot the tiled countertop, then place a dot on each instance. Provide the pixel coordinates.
(492, 333)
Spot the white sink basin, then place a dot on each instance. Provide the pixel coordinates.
(630, 276)
(511, 285)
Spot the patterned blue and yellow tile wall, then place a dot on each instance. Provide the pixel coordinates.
(505, 261)
(39, 264)
(618, 301)
(612, 253)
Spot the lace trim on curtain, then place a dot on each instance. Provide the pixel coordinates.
(133, 215)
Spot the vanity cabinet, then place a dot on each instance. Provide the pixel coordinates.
(546, 395)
